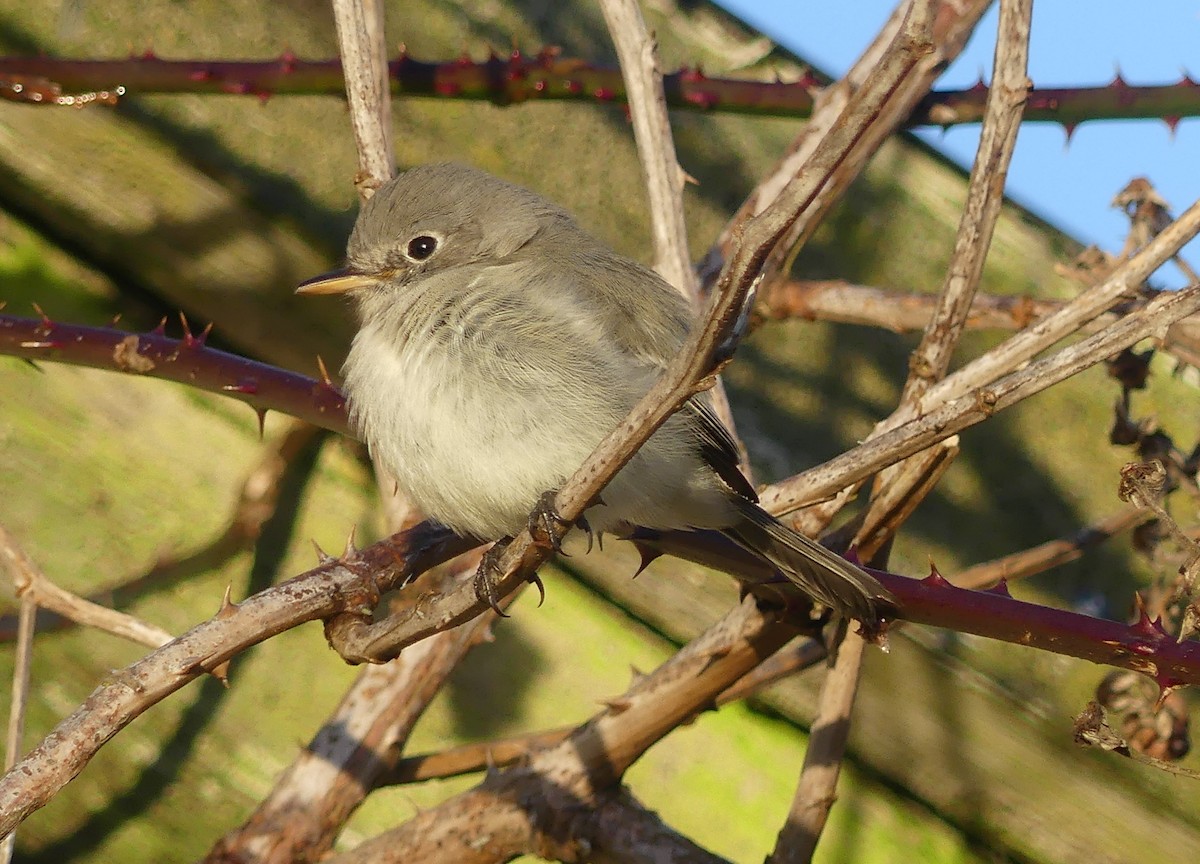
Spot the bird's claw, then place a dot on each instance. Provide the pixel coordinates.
(544, 520)
(485, 576)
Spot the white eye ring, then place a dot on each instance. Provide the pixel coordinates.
(421, 247)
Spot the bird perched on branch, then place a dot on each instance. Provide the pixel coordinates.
(499, 342)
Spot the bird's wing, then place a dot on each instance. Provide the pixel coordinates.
(652, 334)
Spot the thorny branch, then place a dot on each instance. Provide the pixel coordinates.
(547, 75)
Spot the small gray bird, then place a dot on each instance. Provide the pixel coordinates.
(500, 342)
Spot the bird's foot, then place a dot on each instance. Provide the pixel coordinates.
(489, 571)
(545, 519)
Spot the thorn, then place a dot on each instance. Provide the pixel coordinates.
(1000, 589)
(1167, 683)
(228, 607)
(46, 322)
(1143, 625)
(262, 421)
(935, 579)
(351, 549)
(148, 54)
(287, 60)
(1172, 122)
(1069, 128)
(187, 330)
(323, 557)
(34, 366)
(194, 342)
(161, 329)
(325, 379)
(200, 75)
(636, 676)
(617, 706)
(648, 556)
(116, 319)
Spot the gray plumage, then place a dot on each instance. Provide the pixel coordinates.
(500, 342)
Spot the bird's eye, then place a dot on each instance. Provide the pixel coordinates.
(420, 248)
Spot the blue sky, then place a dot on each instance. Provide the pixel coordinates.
(1072, 43)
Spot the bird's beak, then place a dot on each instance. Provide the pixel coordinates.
(336, 282)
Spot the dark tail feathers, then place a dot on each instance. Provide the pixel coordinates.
(826, 577)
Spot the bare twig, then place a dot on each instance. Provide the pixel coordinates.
(361, 740)
(816, 793)
(31, 582)
(364, 58)
(1038, 559)
(801, 653)
(318, 594)
(985, 197)
(951, 27)
(976, 375)
(13, 741)
(900, 488)
(899, 311)
(664, 177)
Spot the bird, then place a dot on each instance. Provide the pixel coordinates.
(499, 342)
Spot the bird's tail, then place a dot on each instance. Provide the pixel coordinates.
(826, 577)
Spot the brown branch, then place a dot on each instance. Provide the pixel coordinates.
(318, 594)
(899, 311)
(30, 582)
(15, 737)
(952, 26)
(663, 174)
(816, 792)
(899, 488)
(563, 788)
(638, 56)
(799, 654)
(945, 405)
(1038, 559)
(364, 60)
(359, 743)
